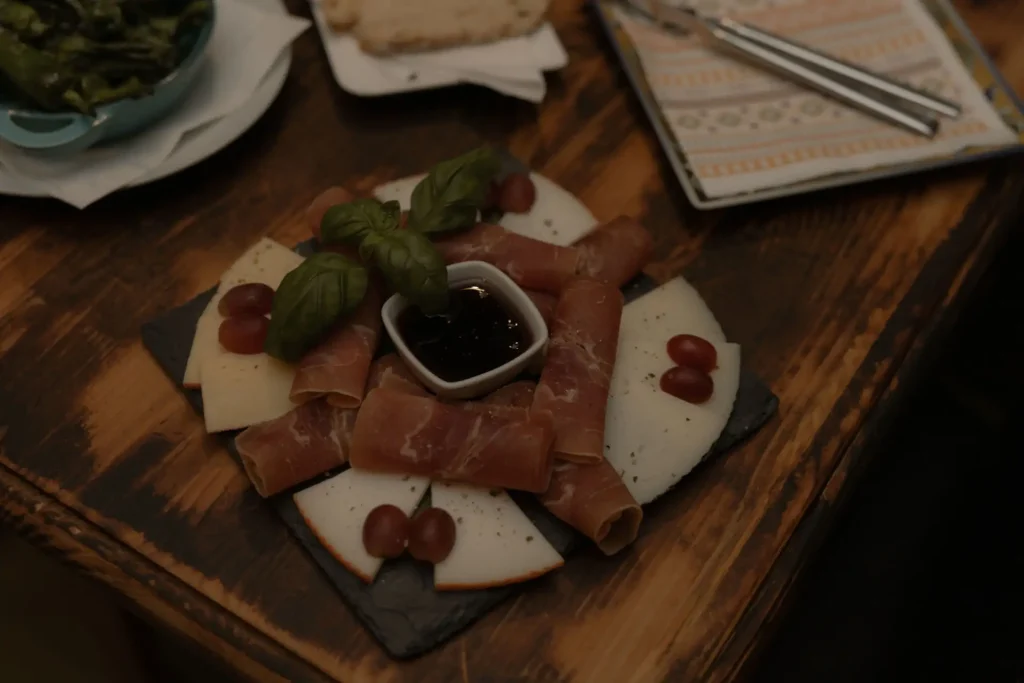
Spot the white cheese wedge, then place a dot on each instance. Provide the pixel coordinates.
(243, 390)
(495, 543)
(557, 216)
(651, 437)
(399, 190)
(266, 262)
(336, 509)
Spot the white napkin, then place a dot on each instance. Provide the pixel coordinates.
(744, 129)
(246, 42)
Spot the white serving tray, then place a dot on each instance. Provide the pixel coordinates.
(512, 66)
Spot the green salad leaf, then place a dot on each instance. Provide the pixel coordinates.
(453, 192)
(310, 301)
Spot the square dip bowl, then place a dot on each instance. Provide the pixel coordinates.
(511, 295)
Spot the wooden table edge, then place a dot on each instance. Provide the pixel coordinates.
(737, 657)
(61, 532)
(53, 527)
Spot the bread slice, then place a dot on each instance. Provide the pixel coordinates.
(393, 26)
(341, 15)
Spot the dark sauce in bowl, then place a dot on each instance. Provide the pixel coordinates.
(478, 333)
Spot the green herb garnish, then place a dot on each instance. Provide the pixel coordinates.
(310, 301)
(408, 260)
(453, 192)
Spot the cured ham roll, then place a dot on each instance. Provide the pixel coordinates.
(590, 498)
(338, 367)
(593, 500)
(303, 443)
(530, 263)
(573, 387)
(616, 252)
(476, 444)
(312, 438)
(545, 304)
(332, 196)
(390, 372)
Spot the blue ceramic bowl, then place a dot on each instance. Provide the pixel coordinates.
(64, 134)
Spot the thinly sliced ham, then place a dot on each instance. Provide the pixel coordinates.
(590, 498)
(573, 387)
(593, 500)
(476, 444)
(530, 263)
(313, 438)
(307, 441)
(332, 196)
(338, 368)
(616, 252)
(390, 372)
(545, 304)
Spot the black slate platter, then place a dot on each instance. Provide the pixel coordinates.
(401, 608)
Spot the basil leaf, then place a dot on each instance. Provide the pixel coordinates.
(310, 301)
(453, 192)
(350, 223)
(412, 265)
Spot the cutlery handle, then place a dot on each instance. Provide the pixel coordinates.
(843, 69)
(919, 123)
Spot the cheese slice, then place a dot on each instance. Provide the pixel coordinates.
(653, 438)
(399, 190)
(266, 262)
(495, 543)
(557, 216)
(243, 390)
(336, 509)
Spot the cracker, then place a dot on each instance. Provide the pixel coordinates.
(341, 15)
(393, 26)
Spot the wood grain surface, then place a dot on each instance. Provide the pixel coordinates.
(835, 298)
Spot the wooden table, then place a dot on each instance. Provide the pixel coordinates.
(835, 298)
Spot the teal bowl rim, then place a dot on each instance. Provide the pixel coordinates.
(85, 124)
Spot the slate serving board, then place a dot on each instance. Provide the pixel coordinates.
(401, 608)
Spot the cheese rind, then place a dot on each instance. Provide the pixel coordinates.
(266, 262)
(496, 544)
(336, 509)
(557, 215)
(653, 438)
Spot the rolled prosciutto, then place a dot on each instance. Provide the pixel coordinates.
(332, 196)
(311, 439)
(530, 263)
(573, 387)
(593, 500)
(303, 443)
(545, 304)
(590, 498)
(404, 434)
(615, 252)
(338, 368)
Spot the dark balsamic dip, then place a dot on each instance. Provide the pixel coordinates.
(478, 333)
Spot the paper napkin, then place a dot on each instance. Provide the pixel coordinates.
(246, 42)
(743, 129)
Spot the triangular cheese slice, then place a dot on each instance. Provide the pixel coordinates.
(266, 262)
(495, 543)
(653, 438)
(557, 216)
(243, 390)
(336, 509)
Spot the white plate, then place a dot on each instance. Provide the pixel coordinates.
(503, 65)
(204, 142)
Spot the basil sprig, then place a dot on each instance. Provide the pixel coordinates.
(311, 299)
(408, 260)
(452, 193)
